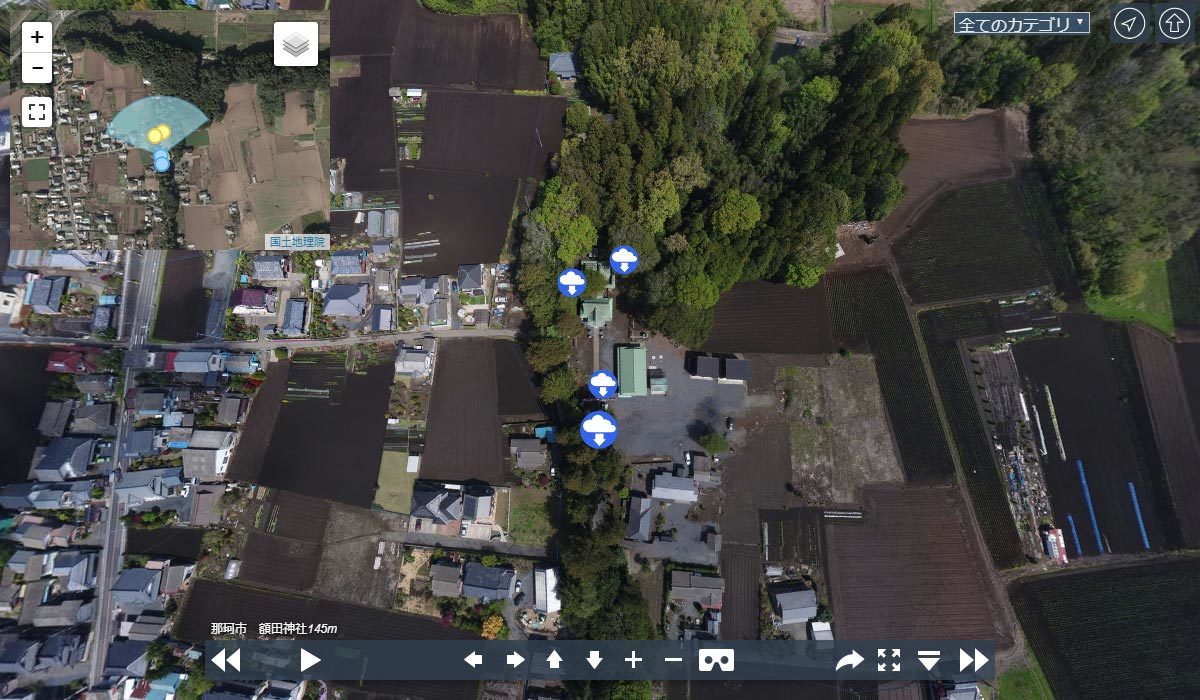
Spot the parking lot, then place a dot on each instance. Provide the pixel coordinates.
(668, 425)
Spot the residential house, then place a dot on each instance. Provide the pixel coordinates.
(668, 487)
(447, 580)
(55, 415)
(294, 313)
(349, 300)
(207, 455)
(271, 267)
(126, 658)
(75, 570)
(94, 419)
(174, 578)
(280, 690)
(527, 452)
(151, 402)
(17, 655)
(690, 587)
(42, 608)
(252, 301)
(231, 408)
(149, 485)
(562, 64)
(413, 362)
(45, 294)
(161, 688)
(410, 292)
(242, 363)
(470, 279)
(136, 588)
(102, 318)
(195, 362)
(487, 583)
(60, 650)
(383, 279)
(820, 631)
(436, 503)
(545, 590)
(45, 496)
(96, 384)
(478, 502)
(141, 442)
(348, 262)
(638, 522)
(631, 371)
(206, 504)
(64, 458)
(233, 690)
(73, 361)
(145, 626)
(704, 471)
(381, 249)
(383, 318)
(438, 315)
(795, 607)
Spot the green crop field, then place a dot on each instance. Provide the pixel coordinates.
(1117, 633)
(867, 309)
(197, 138)
(942, 329)
(1148, 298)
(37, 169)
(975, 241)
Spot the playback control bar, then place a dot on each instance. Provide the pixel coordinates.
(345, 660)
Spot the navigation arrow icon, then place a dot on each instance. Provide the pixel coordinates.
(980, 660)
(554, 659)
(308, 660)
(964, 660)
(235, 659)
(853, 659)
(514, 659)
(594, 659)
(219, 660)
(474, 659)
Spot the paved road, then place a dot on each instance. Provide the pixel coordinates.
(140, 316)
(220, 280)
(267, 343)
(521, 550)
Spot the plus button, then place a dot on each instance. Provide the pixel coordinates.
(633, 659)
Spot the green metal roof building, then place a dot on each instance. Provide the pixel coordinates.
(596, 313)
(631, 371)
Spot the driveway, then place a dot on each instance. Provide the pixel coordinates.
(219, 279)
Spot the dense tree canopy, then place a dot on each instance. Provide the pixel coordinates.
(1115, 129)
(714, 163)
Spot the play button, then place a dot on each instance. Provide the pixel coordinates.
(308, 660)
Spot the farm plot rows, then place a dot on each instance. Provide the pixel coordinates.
(867, 310)
(916, 549)
(182, 305)
(1088, 385)
(989, 497)
(973, 242)
(1117, 633)
(1166, 398)
(771, 318)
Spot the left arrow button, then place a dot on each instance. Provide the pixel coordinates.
(474, 659)
(219, 660)
(235, 659)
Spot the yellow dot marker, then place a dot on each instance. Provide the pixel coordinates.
(155, 135)
(164, 130)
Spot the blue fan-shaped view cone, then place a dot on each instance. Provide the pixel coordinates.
(133, 124)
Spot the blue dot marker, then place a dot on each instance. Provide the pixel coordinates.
(602, 384)
(623, 260)
(162, 160)
(571, 283)
(598, 430)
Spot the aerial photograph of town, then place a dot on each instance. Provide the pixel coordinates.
(521, 349)
(252, 163)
